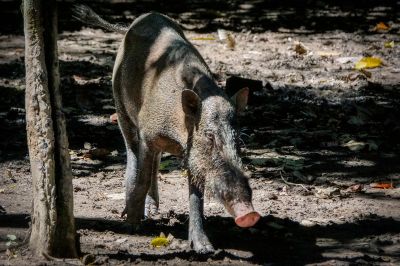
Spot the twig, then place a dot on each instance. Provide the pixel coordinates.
(64, 260)
(49, 258)
(291, 183)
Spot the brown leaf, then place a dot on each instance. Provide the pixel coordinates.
(381, 27)
(230, 42)
(382, 185)
(299, 48)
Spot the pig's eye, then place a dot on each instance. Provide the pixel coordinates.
(209, 136)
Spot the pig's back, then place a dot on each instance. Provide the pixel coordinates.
(148, 73)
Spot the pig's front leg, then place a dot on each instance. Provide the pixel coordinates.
(197, 237)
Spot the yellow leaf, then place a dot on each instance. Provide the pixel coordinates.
(368, 62)
(160, 241)
(328, 53)
(207, 38)
(389, 44)
(185, 173)
(381, 26)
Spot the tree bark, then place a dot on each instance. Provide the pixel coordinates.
(53, 227)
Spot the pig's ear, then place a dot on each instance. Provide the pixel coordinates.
(240, 99)
(191, 102)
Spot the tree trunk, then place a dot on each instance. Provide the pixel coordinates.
(53, 228)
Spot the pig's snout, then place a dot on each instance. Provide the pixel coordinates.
(247, 220)
(244, 213)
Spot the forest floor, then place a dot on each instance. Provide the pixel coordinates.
(321, 142)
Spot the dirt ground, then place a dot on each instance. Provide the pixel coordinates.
(319, 138)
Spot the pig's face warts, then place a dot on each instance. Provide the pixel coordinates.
(213, 158)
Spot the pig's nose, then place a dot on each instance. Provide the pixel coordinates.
(248, 220)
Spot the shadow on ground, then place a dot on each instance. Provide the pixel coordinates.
(288, 15)
(288, 121)
(271, 240)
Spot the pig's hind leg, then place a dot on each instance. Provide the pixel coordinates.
(138, 187)
(139, 169)
(130, 134)
(152, 198)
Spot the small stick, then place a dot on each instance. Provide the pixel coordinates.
(66, 261)
(291, 183)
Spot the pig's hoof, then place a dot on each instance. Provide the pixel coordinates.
(133, 216)
(202, 246)
(150, 209)
(204, 249)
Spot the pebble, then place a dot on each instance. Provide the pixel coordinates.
(307, 223)
(121, 240)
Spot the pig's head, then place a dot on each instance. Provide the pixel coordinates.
(212, 152)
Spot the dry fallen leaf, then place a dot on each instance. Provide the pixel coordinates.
(299, 48)
(160, 241)
(327, 193)
(230, 42)
(170, 237)
(185, 173)
(368, 62)
(221, 34)
(382, 185)
(206, 38)
(389, 44)
(227, 37)
(355, 145)
(10, 254)
(328, 53)
(381, 26)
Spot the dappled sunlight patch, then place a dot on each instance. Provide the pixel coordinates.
(357, 163)
(94, 120)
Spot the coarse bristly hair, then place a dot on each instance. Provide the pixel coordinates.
(220, 173)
